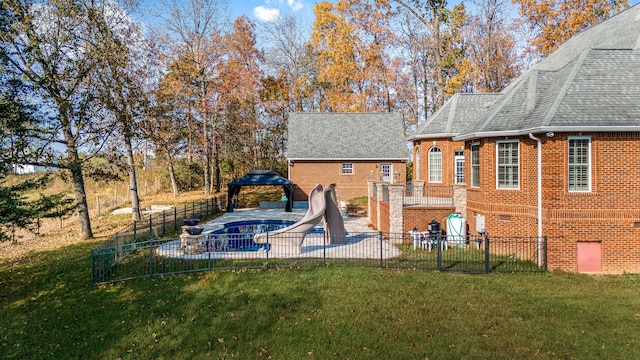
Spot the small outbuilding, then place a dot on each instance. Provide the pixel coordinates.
(260, 178)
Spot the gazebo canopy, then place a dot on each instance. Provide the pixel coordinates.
(258, 178)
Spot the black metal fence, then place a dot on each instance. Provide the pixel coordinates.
(151, 228)
(220, 250)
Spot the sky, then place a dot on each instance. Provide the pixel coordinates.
(270, 10)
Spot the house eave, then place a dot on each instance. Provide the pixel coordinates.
(431, 136)
(348, 159)
(546, 129)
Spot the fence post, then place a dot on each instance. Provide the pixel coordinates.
(486, 254)
(164, 219)
(439, 245)
(135, 231)
(324, 249)
(151, 256)
(175, 218)
(150, 227)
(380, 236)
(546, 264)
(209, 250)
(92, 267)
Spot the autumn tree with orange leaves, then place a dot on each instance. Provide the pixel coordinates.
(355, 72)
(552, 22)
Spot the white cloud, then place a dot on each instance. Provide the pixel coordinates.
(266, 14)
(295, 5)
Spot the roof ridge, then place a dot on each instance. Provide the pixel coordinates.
(454, 103)
(531, 92)
(565, 88)
(429, 120)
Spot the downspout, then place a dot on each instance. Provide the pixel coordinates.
(539, 143)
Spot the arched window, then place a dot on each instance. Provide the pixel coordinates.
(435, 164)
(417, 164)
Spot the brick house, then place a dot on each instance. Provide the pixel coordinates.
(438, 160)
(347, 149)
(557, 154)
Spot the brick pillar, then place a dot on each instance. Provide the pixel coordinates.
(460, 198)
(396, 197)
(371, 192)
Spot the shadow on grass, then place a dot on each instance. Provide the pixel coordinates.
(51, 312)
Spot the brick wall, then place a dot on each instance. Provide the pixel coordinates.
(373, 214)
(384, 217)
(610, 213)
(448, 148)
(420, 216)
(306, 174)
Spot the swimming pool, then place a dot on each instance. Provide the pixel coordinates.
(238, 235)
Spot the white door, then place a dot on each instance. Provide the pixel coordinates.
(385, 172)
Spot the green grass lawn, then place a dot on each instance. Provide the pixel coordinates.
(49, 311)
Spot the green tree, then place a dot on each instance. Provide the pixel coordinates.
(17, 211)
(53, 46)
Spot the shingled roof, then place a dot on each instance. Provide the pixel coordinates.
(346, 136)
(455, 115)
(591, 83)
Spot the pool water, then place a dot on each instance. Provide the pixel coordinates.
(238, 235)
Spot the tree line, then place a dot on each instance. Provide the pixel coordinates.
(82, 80)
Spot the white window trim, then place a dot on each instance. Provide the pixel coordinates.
(471, 177)
(590, 165)
(345, 173)
(429, 164)
(455, 167)
(417, 164)
(498, 165)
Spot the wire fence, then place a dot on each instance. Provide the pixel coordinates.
(219, 249)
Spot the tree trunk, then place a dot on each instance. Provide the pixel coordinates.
(133, 181)
(172, 176)
(216, 161)
(75, 167)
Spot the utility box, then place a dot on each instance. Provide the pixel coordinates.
(480, 224)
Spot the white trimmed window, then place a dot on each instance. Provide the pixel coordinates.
(579, 176)
(508, 162)
(435, 164)
(347, 168)
(475, 165)
(459, 166)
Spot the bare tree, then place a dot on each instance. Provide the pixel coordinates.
(195, 25)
